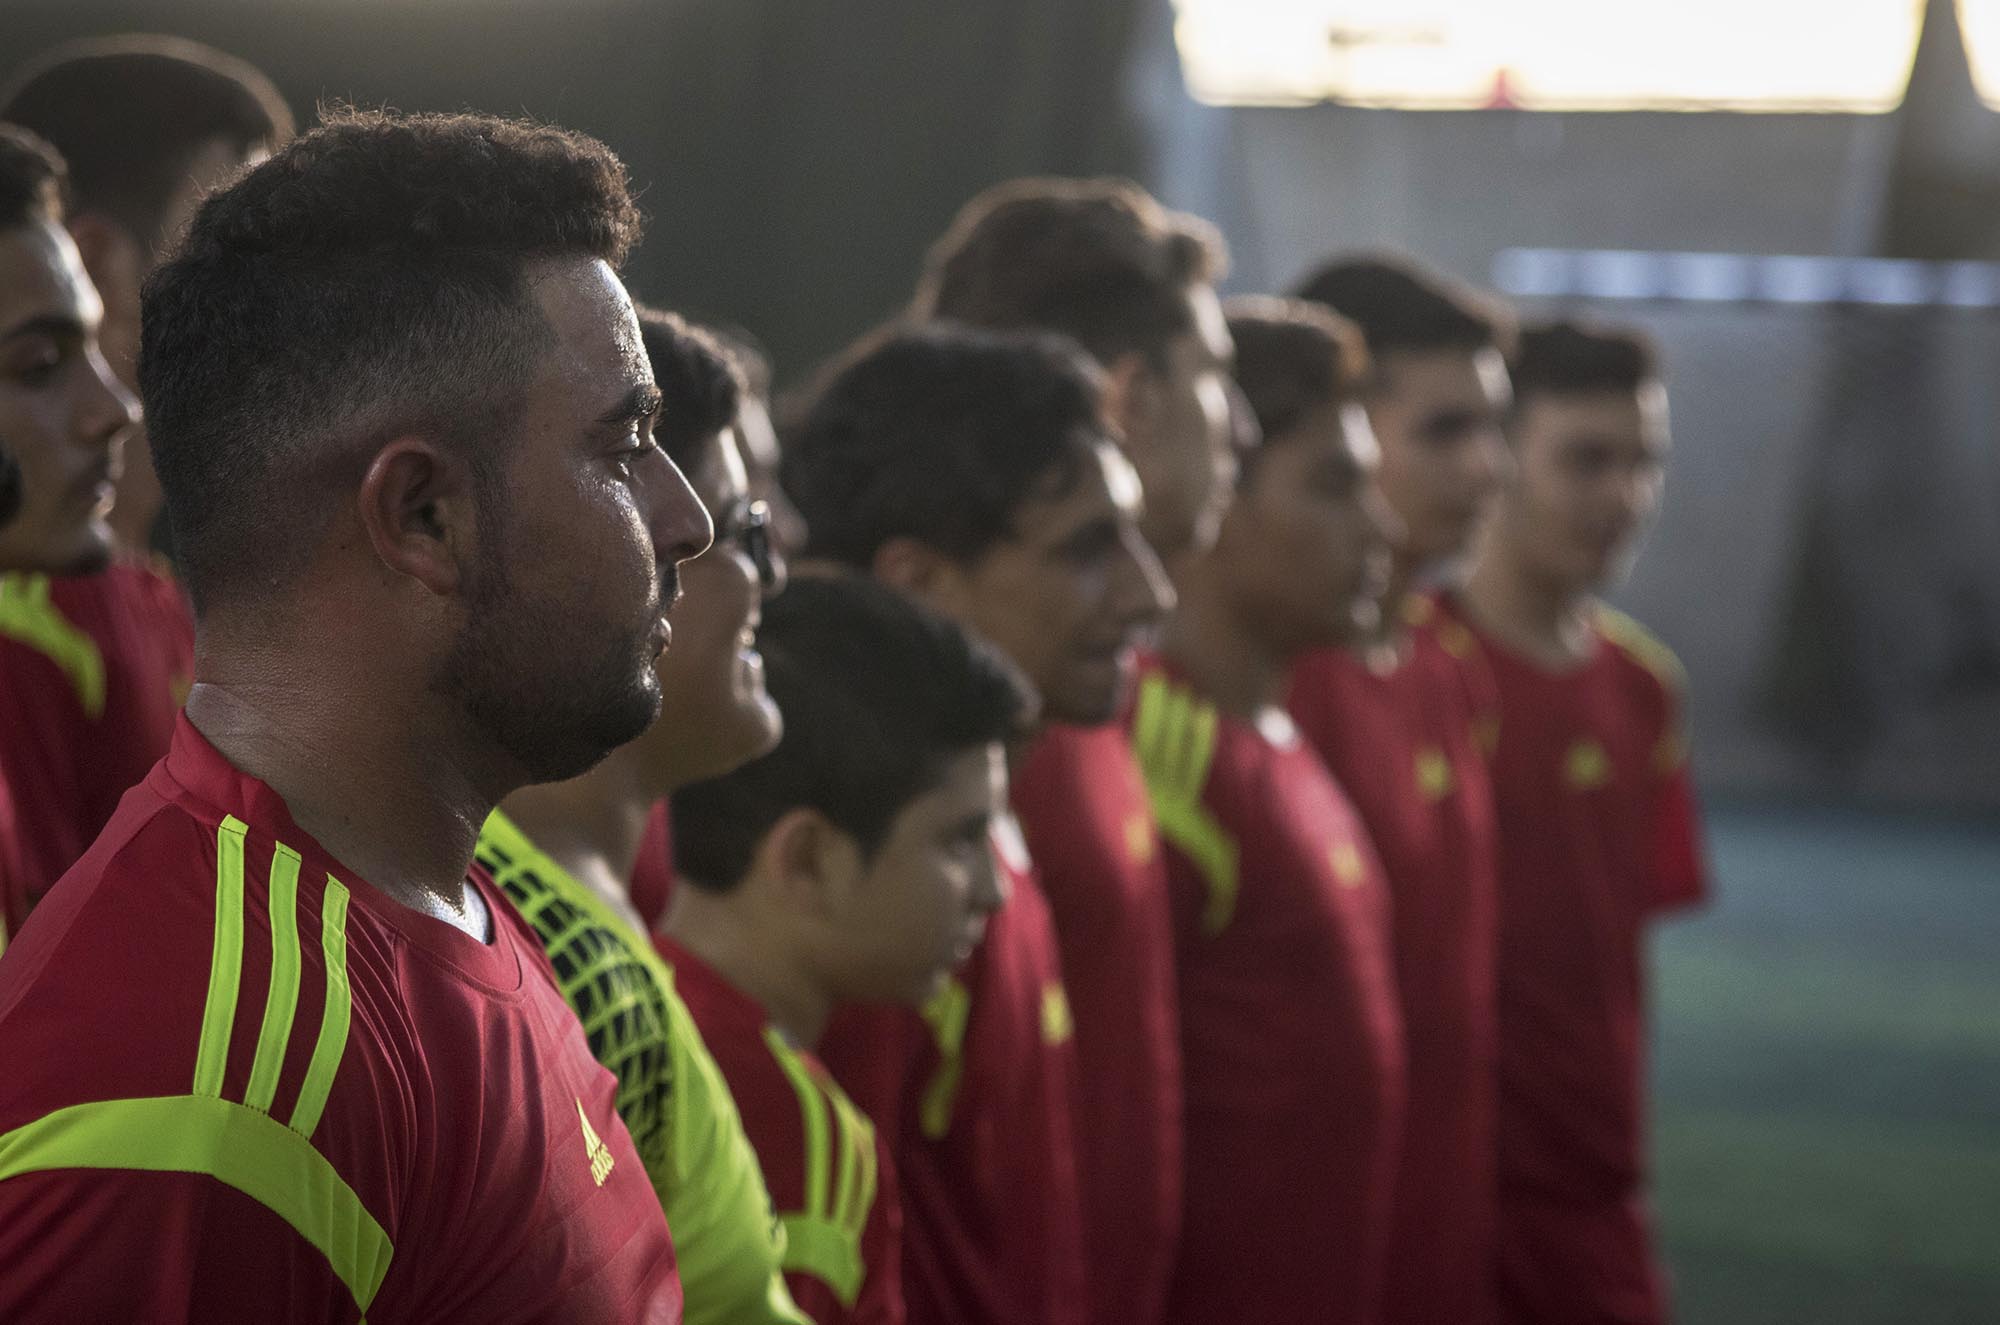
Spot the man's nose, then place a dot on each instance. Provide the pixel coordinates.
(679, 523)
(107, 409)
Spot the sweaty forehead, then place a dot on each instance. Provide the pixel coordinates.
(597, 344)
(1102, 485)
(1431, 380)
(41, 276)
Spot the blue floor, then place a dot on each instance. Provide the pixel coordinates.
(1827, 1118)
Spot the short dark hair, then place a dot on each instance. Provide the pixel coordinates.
(131, 113)
(701, 387)
(1402, 307)
(367, 279)
(1566, 357)
(1098, 260)
(941, 434)
(878, 693)
(31, 179)
(1292, 358)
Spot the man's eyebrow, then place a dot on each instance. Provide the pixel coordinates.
(44, 324)
(641, 402)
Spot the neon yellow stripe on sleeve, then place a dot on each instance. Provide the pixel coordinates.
(856, 1193)
(281, 1004)
(812, 1109)
(225, 965)
(827, 1252)
(26, 614)
(332, 1042)
(232, 1143)
(1174, 760)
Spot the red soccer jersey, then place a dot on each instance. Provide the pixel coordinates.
(13, 876)
(1082, 805)
(1597, 835)
(93, 669)
(1405, 745)
(652, 881)
(1289, 1028)
(228, 1099)
(829, 1173)
(976, 1095)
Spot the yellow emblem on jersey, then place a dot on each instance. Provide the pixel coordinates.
(1347, 867)
(1587, 766)
(1434, 776)
(593, 1146)
(1456, 640)
(1057, 1024)
(1140, 841)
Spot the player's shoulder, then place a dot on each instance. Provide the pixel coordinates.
(1637, 650)
(155, 933)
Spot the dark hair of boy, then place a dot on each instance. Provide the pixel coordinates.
(1575, 358)
(1401, 307)
(699, 380)
(131, 113)
(32, 178)
(879, 693)
(370, 279)
(1096, 259)
(940, 434)
(1293, 359)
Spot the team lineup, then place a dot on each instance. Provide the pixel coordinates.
(1106, 803)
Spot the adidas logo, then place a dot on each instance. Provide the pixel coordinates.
(593, 1145)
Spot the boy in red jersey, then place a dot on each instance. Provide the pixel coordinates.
(96, 657)
(1289, 1028)
(354, 1090)
(63, 421)
(1598, 829)
(1397, 717)
(977, 473)
(1102, 262)
(854, 867)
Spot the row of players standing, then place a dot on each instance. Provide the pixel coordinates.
(1249, 1059)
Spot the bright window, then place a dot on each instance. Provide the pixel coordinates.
(1752, 55)
(1979, 20)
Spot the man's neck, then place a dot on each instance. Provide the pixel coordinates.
(1544, 621)
(592, 825)
(397, 796)
(722, 930)
(1204, 640)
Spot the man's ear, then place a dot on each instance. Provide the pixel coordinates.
(417, 508)
(919, 570)
(1131, 395)
(809, 861)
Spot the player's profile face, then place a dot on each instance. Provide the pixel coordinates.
(1437, 416)
(1183, 445)
(715, 713)
(1305, 550)
(63, 415)
(1072, 595)
(757, 440)
(922, 904)
(576, 567)
(1591, 468)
